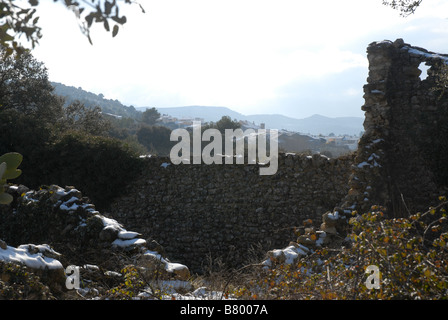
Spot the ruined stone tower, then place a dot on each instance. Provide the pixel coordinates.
(394, 166)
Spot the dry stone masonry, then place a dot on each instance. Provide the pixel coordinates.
(393, 165)
(196, 212)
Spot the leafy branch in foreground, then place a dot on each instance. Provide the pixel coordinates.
(16, 21)
(406, 7)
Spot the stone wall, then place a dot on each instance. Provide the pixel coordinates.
(221, 211)
(196, 212)
(394, 165)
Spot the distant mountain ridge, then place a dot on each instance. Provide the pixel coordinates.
(315, 124)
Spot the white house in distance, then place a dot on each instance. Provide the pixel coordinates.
(181, 123)
(351, 142)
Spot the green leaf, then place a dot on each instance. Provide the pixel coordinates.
(12, 160)
(115, 31)
(119, 20)
(89, 19)
(106, 25)
(5, 198)
(12, 174)
(8, 164)
(4, 36)
(2, 169)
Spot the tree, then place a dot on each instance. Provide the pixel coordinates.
(406, 7)
(156, 139)
(150, 116)
(89, 120)
(17, 20)
(28, 108)
(224, 123)
(25, 88)
(227, 123)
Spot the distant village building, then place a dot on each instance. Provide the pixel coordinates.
(166, 119)
(350, 142)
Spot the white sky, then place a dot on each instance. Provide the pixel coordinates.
(293, 57)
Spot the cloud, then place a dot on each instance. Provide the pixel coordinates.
(353, 92)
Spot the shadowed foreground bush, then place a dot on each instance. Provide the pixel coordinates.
(411, 255)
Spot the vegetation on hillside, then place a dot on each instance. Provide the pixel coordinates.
(113, 108)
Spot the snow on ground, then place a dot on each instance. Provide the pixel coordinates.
(201, 293)
(169, 266)
(34, 260)
(288, 254)
(171, 291)
(69, 205)
(128, 243)
(126, 235)
(125, 238)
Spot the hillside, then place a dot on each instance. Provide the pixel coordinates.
(316, 124)
(90, 99)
